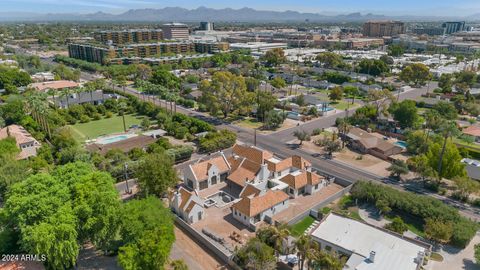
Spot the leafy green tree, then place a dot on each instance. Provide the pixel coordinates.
(336, 94)
(372, 67)
(438, 230)
(331, 147)
(416, 73)
(278, 82)
(156, 174)
(165, 78)
(396, 50)
(216, 141)
(446, 110)
(265, 103)
(383, 206)
(397, 225)
(351, 92)
(406, 114)
(226, 93)
(449, 154)
(330, 60)
(274, 57)
(466, 186)
(255, 255)
(39, 209)
(445, 82)
(398, 168)
(301, 135)
(147, 233)
(380, 99)
(274, 120)
(179, 265)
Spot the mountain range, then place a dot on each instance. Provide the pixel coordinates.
(168, 14)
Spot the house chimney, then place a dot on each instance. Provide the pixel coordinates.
(372, 256)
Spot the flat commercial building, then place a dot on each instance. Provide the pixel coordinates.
(257, 46)
(175, 31)
(369, 247)
(128, 36)
(383, 28)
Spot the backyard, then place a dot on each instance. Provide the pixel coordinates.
(300, 227)
(105, 126)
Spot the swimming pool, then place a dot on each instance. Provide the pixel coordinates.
(401, 144)
(112, 139)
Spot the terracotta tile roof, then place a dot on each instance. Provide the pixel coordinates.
(472, 131)
(293, 161)
(244, 173)
(21, 136)
(185, 195)
(300, 180)
(200, 170)
(252, 153)
(370, 141)
(56, 85)
(190, 207)
(252, 206)
(249, 190)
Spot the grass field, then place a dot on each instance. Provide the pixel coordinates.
(249, 123)
(93, 129)
(300, 227)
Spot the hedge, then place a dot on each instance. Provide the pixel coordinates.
(419, 206)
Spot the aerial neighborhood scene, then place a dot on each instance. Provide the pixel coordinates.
(230, 135)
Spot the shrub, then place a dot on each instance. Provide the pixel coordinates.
(419, 206)
(97, 116)
(84, 119)
(108, 115)
(215, 141)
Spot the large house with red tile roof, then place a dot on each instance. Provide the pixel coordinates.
(26, 143)
(187, 205)
(303, 182)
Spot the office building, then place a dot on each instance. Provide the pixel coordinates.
(453, 27)
(175, 31)
(207, 26)
(383, 28)
(128, 36)
(433, 31)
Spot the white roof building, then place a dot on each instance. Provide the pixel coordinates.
(369, 247)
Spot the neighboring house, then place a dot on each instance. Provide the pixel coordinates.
(473, 168)
(43, 77)
(473, 131)
(53, 85)
(187, 205)
(207, 173)
(194, 95)
(253, 209)
(26, 143)
(368, 143)
(368, 247)
(303, 182)
(95, 97)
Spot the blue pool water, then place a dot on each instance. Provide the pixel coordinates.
(112, 139)
(401, 144)
(327, 109)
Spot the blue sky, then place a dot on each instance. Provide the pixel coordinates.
(388, 7)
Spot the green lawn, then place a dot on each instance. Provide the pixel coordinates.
(94, 129)
(414, 225)
(342, 105)
(300, 227)
(249, 123)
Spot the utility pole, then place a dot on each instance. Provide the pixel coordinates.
(125, 167)
(255, 136)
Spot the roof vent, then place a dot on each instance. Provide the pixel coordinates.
(372, 256)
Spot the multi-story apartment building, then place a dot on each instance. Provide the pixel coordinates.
(383, 28)
(206, 26)
(128, 36)
(103, 54)
(453, 27)
(175, 31)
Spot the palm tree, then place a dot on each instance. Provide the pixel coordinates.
(122, 106)
(447, 129)
(36, 104)
(305, 246)
(325, 260)
(90, 87)
(52, 93)
(281, 234)
(65, 92)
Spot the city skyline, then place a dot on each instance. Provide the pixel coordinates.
(392, 8)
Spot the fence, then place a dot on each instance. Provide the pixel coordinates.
(321, 204)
